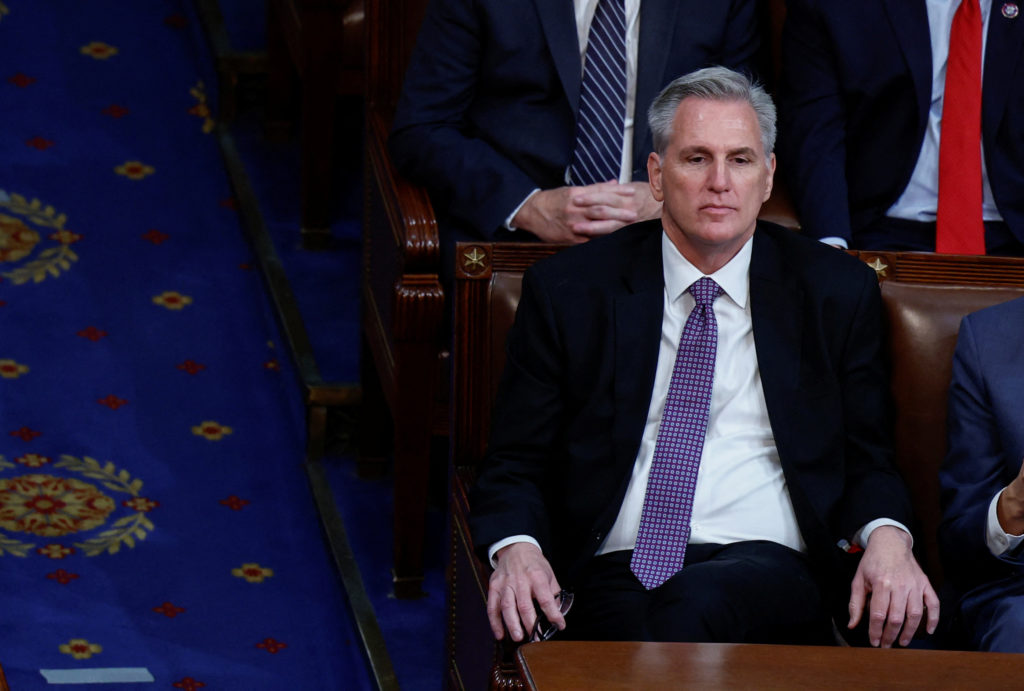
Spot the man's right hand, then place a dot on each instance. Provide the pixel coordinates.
(522, 576)
(1010, 506)
(576, 214)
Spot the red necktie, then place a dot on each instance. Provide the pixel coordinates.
(960, 229)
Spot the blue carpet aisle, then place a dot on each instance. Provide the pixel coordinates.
(326, 286)
(153, 510)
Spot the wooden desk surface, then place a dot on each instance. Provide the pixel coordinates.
(560, 665)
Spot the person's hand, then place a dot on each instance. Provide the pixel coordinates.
(522, 576)
(576, 214)
(899, 591)
(1010, 506)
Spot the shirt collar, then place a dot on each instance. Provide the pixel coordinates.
(680, 274)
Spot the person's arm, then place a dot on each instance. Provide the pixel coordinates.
(812, 125)
(974, 471)
(433, 144)
(430, 141)
(1009, 516)
(509, 496)
(889, 583)
(576, 214)
(521, 576)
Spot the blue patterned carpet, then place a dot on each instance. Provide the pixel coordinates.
(154, 514)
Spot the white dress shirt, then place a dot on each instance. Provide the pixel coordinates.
(741, 492)
(584, 10)
(920, 198)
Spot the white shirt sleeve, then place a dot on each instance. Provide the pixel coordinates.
(508, 221)
(862, 536)
(835, 241)
(505, 543)
(998, 540)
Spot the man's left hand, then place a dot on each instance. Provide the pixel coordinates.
(899, 591)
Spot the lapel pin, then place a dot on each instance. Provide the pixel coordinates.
(1010, 10)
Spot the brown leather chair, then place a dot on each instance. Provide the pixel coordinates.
(926, 295)
(321, 43)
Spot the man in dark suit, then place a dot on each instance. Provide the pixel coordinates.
(982, 478)
(488, 115)
(794, 458)
(861, 113)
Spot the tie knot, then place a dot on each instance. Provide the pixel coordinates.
(705, 291)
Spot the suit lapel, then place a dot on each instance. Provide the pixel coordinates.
(657, 22)
(1002, 63)
(638, 317)
(777, 318)
(559, 24)
(909, 19)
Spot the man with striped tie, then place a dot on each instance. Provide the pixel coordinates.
(525, 120)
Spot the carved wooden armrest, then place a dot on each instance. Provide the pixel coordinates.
(410, 215)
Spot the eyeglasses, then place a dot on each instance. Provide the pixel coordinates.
(544, 629)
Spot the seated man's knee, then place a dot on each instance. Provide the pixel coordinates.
(696, 609)
(1005, 633)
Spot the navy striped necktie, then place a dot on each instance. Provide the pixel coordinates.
(602, 109)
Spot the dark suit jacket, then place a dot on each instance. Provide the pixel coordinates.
(577, 386)
(856, 90)
(986, 441)
(488, 109)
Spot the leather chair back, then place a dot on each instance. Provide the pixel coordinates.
(925, 296)
(923, 323)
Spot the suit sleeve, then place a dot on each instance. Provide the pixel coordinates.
(974, 469)
(874, 488)
(431, 143)
(812, 124)
(510, 495)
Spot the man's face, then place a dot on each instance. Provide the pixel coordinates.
(713, 178)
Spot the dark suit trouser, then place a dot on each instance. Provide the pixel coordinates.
(745, 592)
(993, 616)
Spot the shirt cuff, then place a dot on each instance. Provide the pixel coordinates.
(862, 536)
(836, 241)
(505, 543)
(508, 221)
(998, 540)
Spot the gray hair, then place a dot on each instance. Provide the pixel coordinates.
(717, 84)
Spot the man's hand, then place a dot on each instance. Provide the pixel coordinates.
(576, 214)
(900, 592)
(1010, 506)
(522, 576)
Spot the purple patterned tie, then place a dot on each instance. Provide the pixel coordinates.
(665, 521)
